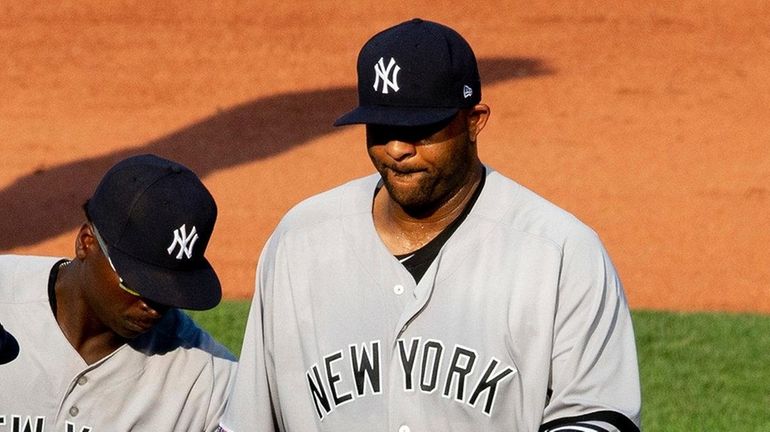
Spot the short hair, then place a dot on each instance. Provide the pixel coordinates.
(85, 210)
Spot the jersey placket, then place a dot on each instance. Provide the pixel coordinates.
(79, 391)
(399, 379)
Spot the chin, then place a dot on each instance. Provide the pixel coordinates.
(408, 195)
(408, 199)
(416, 206)
(132, 330)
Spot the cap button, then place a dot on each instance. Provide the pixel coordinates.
(175, 169)
(417, 20)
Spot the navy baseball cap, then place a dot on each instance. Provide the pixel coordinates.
(156, 218)
(9, 347)
(413, 74)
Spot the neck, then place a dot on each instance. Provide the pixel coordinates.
(87, 334)
(403, 230)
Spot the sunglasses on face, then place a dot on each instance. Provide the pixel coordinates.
(103, 246)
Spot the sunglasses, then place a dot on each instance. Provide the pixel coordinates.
(103, 246)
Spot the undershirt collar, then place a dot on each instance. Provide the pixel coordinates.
(418, 261)
(52, 284)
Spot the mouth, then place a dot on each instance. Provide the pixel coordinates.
(402, 172)
(402, 179)
(140, 326)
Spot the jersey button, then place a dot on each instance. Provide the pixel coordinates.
(82, 380)
(74, 411)
(404, 428)
(399, 289)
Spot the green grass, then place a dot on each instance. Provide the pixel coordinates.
(225, 322)
(699, 372)
(705, 371)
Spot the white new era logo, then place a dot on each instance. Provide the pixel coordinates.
(185, 242)
(388, 75)
(467, 92)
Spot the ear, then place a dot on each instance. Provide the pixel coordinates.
(85, 242)
(477, 119)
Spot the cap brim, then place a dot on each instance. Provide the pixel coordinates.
(9, 347)
(395, 116)
(195, 289)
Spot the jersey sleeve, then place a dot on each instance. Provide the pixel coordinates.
(222, 379)
(215, 378)
(594, 382)
(249, 407)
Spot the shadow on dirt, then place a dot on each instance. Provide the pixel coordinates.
(47, 202)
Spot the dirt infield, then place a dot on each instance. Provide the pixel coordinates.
(648, 121)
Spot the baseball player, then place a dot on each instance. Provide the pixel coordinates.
(102, 345)
(436, 294)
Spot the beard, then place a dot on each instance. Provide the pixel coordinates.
(421, 193)
(417, 199)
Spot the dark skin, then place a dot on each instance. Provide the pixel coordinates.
(94, 313)
(429, 173)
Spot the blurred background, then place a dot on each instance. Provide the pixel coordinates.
(647, 120)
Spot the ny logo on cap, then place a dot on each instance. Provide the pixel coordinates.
(389, 80)
(185, 242)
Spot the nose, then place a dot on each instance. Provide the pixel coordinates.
(399, 150)
(153, 310)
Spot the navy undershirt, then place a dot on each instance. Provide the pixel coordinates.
(52, 285)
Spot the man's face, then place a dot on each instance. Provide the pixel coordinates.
(423, 166)
(125, 313)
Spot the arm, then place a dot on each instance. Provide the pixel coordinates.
(594, 381)
(223, 377)
(250, 405)
(216, 377)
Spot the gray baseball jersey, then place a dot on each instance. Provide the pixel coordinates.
(173, 378)
(519, 324)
